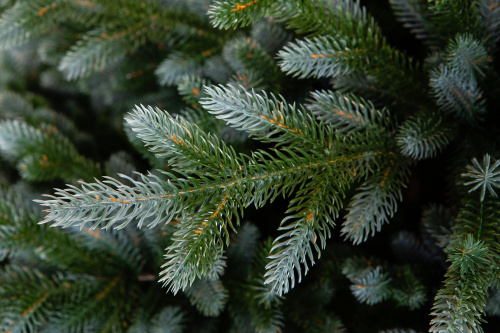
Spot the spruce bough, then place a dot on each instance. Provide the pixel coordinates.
(341, 157)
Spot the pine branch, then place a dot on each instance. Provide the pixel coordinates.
(348, 113)
(376, 202)
(311, 214)
(424, 136)
(321, 17)
(267, 118)
(459, 305)
(177, 66)
(490, 19)
(483, 176)
(467, 54)
(208, 296)
(171, 319)
(25, 21)
(457, 94)
(415, 16)
(182, 143)
(474, 252)
(43, 153)
(322, 57)
(370, 284)
(233, 14)
(247, 58)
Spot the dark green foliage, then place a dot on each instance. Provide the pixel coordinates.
(268, 137)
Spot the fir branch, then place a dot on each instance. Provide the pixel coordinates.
(184, 145)
(483, 176)
(490, 19)
(247, 57)
(311, 214)
(208, 201)
(25, 21)
(208, 296)
(348, 113)
(457, 94)
(177, 66)
(415, 16)
(233, 13)
(321, 17)
(465, 53)
(370, 287)
(322, 57)
(98, 50)
(268, 118)
(452, 18)
(43, 153)
(376, 201)
(474, 251)
(424, 136)
(459, 305)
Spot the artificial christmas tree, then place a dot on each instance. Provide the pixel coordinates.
(301, 108)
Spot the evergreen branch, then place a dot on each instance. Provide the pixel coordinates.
(233, 14)
(268, 118)
(43, 153)
(171, 319)
(490, 19)
(184, 145)
(457, 94)
(347, 113)
(423, 137)
(208, 296)
(376, 202)
(452, 18)
(371, 287)
(312, 213)
(197, 245)
(247, 57)
(99, 49)
(459, 304)
(474, 251)
(467, 54)
(177, 66)
(25, 21)
(270, 35)
(484, 176)
(30, 298)
(322, 17)
(191, 90)
(199, 240)
(99, 202)
(415, 16)
(322, 57)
